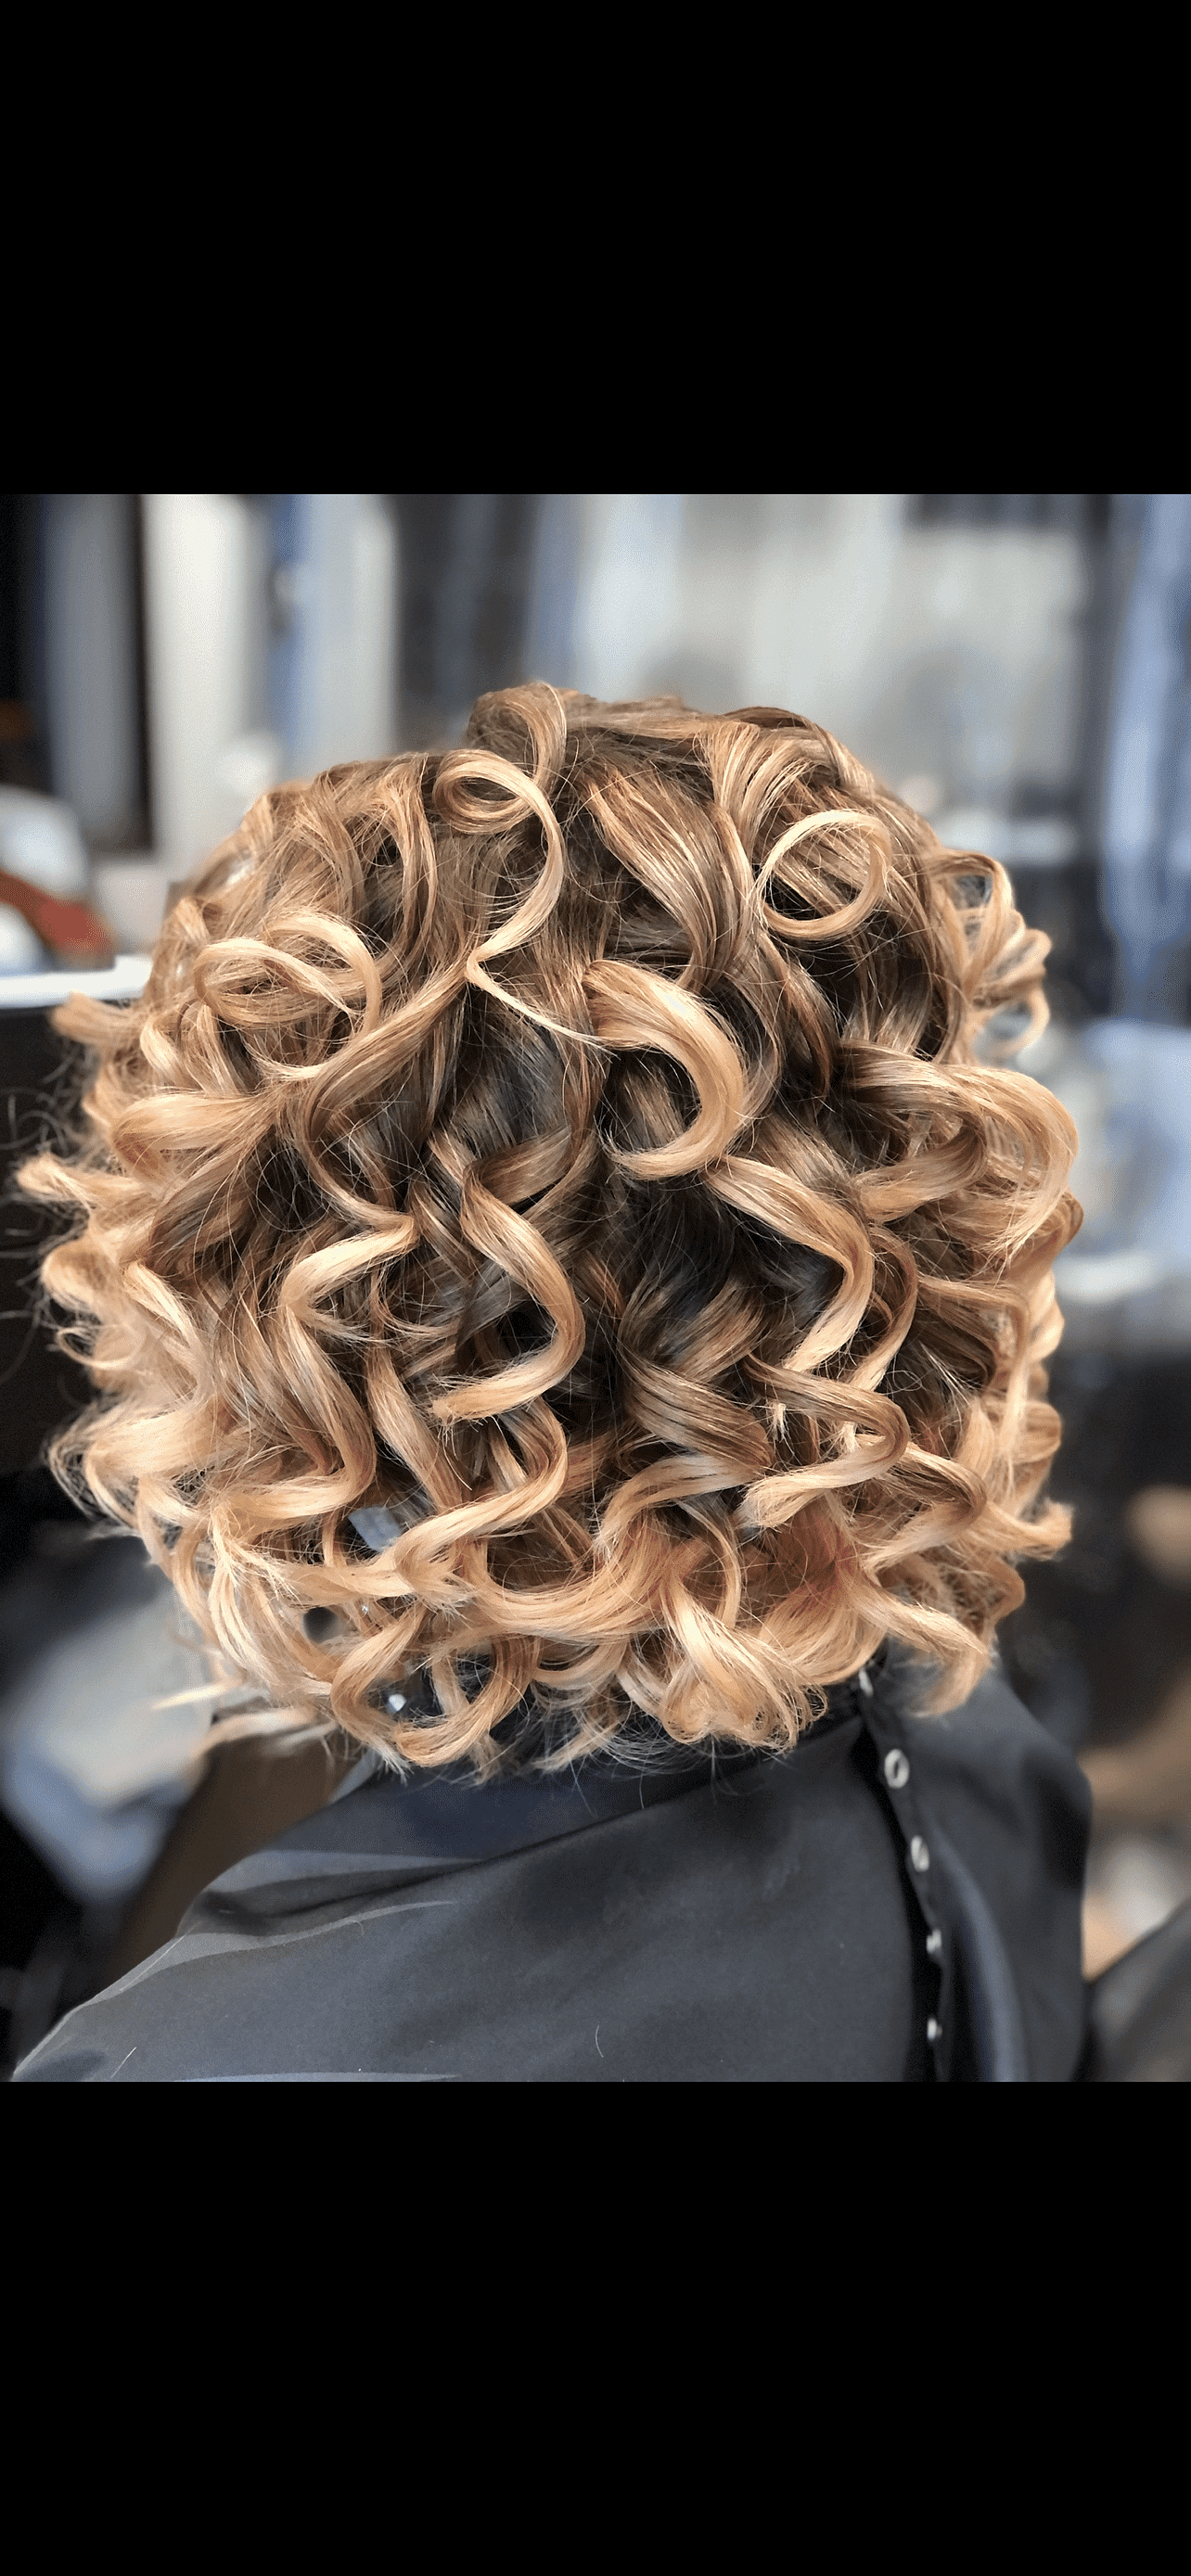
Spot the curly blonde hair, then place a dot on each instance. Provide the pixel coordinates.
(551, 1250)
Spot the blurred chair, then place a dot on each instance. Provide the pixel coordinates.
(1139, 2011)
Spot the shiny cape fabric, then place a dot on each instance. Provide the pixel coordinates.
(897, 1900)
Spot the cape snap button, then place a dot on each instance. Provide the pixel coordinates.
(934, 2029)
(934, 1943)
(897, 1769)
(919, 1853)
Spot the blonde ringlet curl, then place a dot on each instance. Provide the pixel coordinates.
(590, 1149)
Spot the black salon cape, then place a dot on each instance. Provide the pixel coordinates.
(897, 1900)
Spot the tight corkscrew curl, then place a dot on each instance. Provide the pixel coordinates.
(555, 1258)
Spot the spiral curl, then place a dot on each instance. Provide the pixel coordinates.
(581, 1149)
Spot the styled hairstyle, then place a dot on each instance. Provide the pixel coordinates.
(554, 1249)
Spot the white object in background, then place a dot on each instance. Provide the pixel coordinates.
(250, 765)
(40, 841)
(1042, 841)
(21, 951)
(629, 605)
(206, 574)
(1032, 841)
(99, 1856)
(129, 893)
(101, 1734)
(43, 991)
(208, 578)
(1126, 1278)
(343, 598)
(974, 827)
(948, 653)
(923, 792)
(1144, 1074)
(1103, 1278)
(1142, 1878)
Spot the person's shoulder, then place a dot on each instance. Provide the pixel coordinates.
(988, 1740)
(1005, 1812)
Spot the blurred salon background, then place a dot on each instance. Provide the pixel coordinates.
(1015, 664)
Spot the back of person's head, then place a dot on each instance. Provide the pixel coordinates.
(549, 1214)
